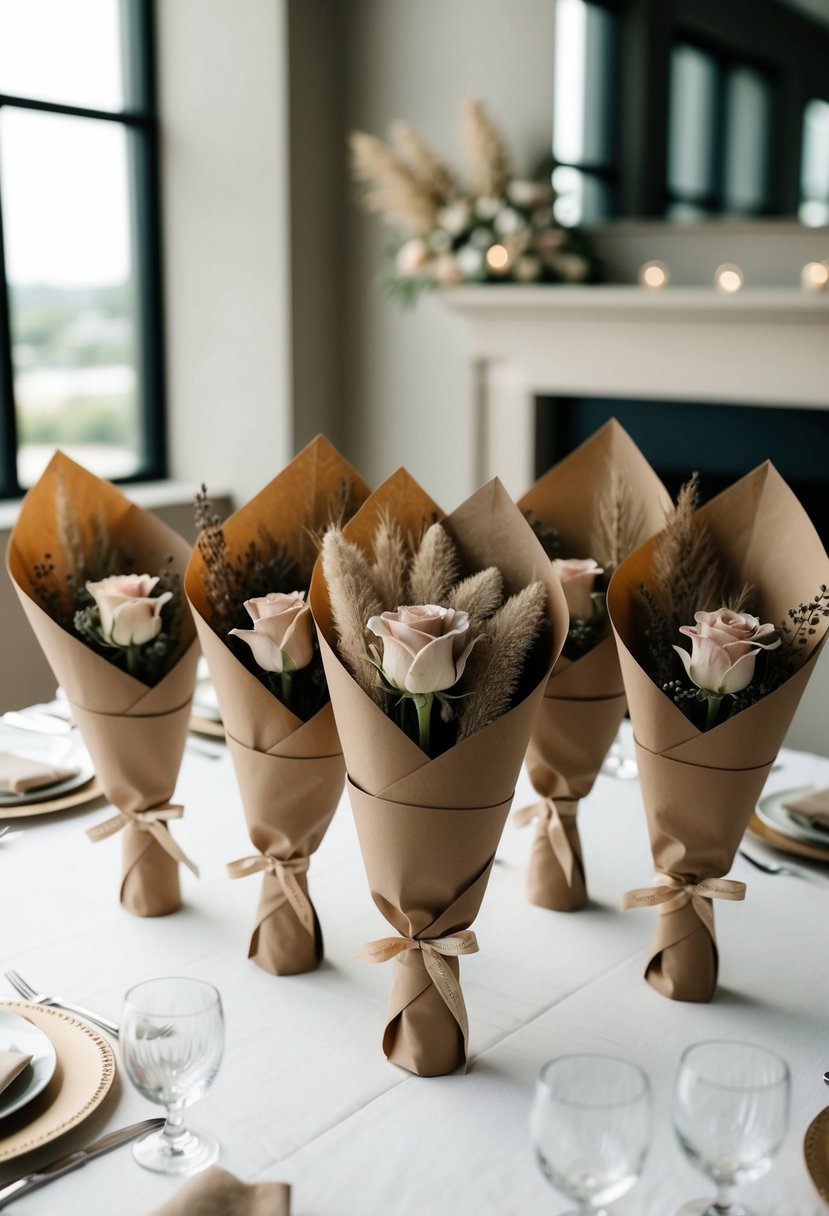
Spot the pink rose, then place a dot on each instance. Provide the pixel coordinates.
(282, 638)
(725, 646)
(129, 615)
(578, 578)
(424, 647)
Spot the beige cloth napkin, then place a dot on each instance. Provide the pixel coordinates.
(12, 1064)
(814, 806)
(218, 1193)
(18, 774)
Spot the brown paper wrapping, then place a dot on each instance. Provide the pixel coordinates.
(218, 1193)
(584, 701)
(700, 787)
(290, 772)
(135, 734)
(428, 829)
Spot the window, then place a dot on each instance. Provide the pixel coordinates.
(584, 143)
(80, 316)
(719, 131)
(690, 109)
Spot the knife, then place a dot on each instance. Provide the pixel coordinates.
(65, 1165)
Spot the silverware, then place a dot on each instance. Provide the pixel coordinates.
(6, 831)
(774, 867)
(40, 998)
(73, 1161)
(826, 1078)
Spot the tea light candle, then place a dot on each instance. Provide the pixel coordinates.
(728, 278)
(654, 275)
(815, 276)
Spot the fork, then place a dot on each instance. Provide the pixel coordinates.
(40, 998)
(774, 867)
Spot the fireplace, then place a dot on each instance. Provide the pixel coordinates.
(719, 440)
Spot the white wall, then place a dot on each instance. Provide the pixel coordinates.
(223, 101)
(407, 374)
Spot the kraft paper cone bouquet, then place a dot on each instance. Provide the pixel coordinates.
(74, 527)
(278, 719)
(592, 508)
(430, 794)
(703, 756)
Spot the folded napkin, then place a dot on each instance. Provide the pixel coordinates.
(814, 806)
(18, 774)
(218, 1193)
(12, 1064)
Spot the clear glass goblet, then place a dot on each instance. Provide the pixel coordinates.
(731, 1111)
(172, 1040)
(591, 1127)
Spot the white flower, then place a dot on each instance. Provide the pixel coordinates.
(412, 256)
(129, 614)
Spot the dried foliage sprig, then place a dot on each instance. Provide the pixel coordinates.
(390, 186)
(429, 170)
(487, 159)
(619, 524)
(687, 573)
(498, 636)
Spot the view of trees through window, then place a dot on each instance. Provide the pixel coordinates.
(75, 127)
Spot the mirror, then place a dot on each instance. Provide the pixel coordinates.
(691, 109)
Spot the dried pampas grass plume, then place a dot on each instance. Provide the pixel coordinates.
(479, 595)
(486, 154)
(354, 598)
(685, 562)
(392, 188)
(435, 567)
(391, 557)
(619, 524)
(428, 169)
(495, 664)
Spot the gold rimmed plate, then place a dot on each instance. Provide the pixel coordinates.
(816, 1152)
(82, 1079)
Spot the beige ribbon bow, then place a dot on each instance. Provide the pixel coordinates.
(285, 873)
(550, 814)
(670, 894)
(154, 820)
(454, 945)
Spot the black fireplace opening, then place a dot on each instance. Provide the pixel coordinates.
(720, 442)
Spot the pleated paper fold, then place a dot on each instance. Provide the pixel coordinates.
(700, 787)
(429, 828)
(584, 701)
(135, 734)
(290, 773)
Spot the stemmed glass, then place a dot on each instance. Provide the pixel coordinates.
(591, 1126)
(731, 1110)
(172, 1039)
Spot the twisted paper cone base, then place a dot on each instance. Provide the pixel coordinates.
(279, 944)
(421, 1035)
(150, 883)
(547, 885)
(684, 964)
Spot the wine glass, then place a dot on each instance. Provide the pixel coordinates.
(172, 1039)
(731, 1110)
(591, 1126)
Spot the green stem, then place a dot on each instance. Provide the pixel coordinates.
(713, 710)
(286, 681)
(423, 705)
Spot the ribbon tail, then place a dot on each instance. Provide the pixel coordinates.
(450, 992)
(560, 842)
(165, 838)
(298, 900)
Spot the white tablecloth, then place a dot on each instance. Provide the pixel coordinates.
(304, 1094)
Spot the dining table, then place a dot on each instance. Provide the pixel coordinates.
(304, 1094)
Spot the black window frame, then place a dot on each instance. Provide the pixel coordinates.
(140, 119)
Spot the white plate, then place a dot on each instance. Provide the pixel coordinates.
(773, 814)
(16, 1034)
(65, 750)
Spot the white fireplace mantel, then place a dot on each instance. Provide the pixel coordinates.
(760, 346)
